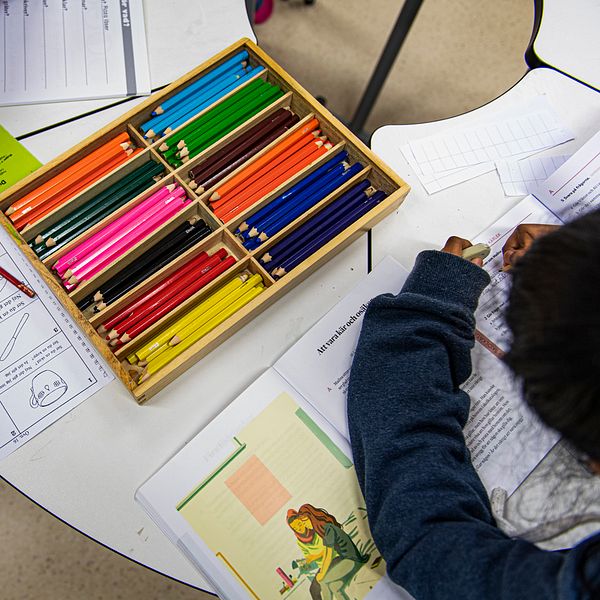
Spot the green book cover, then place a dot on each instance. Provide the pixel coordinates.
(15, 161)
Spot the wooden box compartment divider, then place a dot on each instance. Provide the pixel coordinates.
(296, 99)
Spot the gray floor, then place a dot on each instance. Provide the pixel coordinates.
(459, 55)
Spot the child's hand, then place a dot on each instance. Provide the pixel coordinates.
(456, 245)
(520, 241)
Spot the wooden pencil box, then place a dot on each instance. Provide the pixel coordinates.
(300, 102)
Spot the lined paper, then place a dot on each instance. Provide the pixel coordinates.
(72, 50)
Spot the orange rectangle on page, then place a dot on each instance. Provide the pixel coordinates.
(258, 489)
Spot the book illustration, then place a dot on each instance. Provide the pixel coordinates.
(331, 557)
(245, 513)
(46, 388)
(13, 338)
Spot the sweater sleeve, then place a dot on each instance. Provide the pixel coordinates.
(428, 511)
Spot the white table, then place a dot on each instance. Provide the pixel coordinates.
(567, 38)
(86, 467)
(425, 221)
(180, 35)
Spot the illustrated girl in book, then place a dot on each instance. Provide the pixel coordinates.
(325, 544)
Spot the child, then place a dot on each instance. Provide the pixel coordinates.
(428, 511)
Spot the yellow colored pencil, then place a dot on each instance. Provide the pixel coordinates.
(174, 351)
(165, 335)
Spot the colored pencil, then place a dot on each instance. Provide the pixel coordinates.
(207, 137)
(18, 284)
(194, 263)
(130, 237)
(75, 254)
(160, 121)
(249, 90)
(176, 350)
(143, 173)
(310, 180)
(181, 284)
(241, 58)
(166, 247)
(327, 235)
(137, 276)
(286, 214)
(241, 144)
(265, 159)
(213, 300)
(303, 143)
(64, 174)
(73, 227)
(277, 178)
(309, 228)
(41, 207)
(166, 307)
(170, 124)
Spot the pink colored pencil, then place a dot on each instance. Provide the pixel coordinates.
(62, 264)
(100, 258)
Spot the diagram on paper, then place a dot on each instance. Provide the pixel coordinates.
(47, 366)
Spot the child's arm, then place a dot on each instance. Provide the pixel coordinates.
(428, 511)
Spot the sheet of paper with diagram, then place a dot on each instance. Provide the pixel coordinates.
(47, 367)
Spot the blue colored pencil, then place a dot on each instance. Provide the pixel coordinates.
(235, 61)
(288, 194)
(157, 124)
(223, 92)
(325, 236)
(310, 228)
(287, 214)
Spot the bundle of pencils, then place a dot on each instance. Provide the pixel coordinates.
(197, 96)
(314, 233)
(164, 297)
(292, 154)
(62, 187)
(87, 259)
(158, 256)
(295, 201)
(212, 170)
(217, 122)
(182, 333)
(96, 209)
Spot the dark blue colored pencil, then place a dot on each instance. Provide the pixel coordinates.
(287, 214)
(345, 203)
(295, 189)
(336, 228)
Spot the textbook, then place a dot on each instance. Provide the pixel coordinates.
(257, 497)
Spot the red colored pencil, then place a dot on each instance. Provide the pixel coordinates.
(18, 284)
(175, 301)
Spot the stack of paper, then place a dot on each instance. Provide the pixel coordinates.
(456, 155)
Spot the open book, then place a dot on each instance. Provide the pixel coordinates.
(235, 499)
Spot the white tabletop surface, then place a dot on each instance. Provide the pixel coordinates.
(86, 467)
(568, 38)
(180, 35)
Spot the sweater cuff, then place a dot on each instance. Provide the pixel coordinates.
(448, 278)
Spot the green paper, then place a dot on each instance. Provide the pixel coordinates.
(15, 161)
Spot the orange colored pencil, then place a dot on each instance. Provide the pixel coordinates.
(236, 210)
(249, 182)
(122, 138)
(265, 159)
(30, 216)
(235, 198)
(85, 169)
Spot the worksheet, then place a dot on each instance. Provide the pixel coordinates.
(56, 50)
(47, 366)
